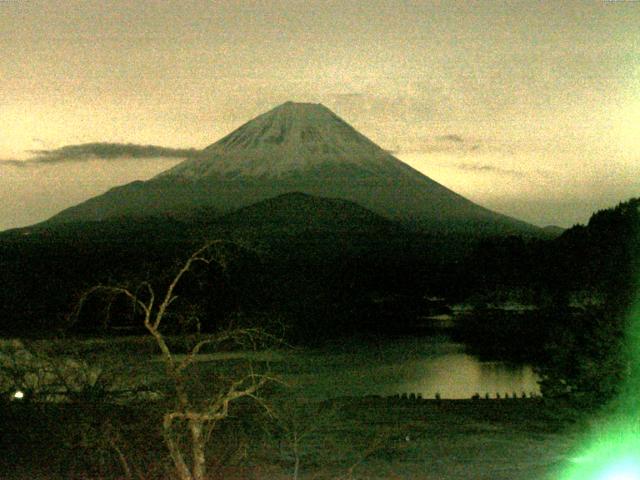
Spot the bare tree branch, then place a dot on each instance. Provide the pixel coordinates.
(199, 420)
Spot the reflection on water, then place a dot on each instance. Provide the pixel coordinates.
(459, 375)
(423, 367)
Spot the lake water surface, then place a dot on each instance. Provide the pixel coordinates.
(425, 366)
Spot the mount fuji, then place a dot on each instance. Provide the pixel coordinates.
(295, 147)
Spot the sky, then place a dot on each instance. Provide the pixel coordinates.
(530, 108)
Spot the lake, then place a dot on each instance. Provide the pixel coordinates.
(425, 366)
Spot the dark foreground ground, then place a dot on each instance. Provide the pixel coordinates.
(369, 438)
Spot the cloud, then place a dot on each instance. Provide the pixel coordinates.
(484, 167)
(450, 142)
(101, 151)
(477, 167)
(12, 163)
(451, 137)
(41, 142)
(347, 96)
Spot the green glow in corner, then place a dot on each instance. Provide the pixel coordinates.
(624, 470)
(613, 453)
(615, 456)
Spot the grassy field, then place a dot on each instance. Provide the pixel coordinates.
(367, 438)
(448, 439)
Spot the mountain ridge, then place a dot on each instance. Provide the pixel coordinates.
(302, 211)
(305, 148)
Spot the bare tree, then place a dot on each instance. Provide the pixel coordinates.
(195, 417)
(298, 427)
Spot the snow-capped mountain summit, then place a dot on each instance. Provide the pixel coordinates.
(286, 140)
(296, 147)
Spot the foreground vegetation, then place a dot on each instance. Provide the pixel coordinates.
(240, 423)
(348, 438)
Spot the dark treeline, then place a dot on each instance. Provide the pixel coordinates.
(316, 274)
(325, 281)
(583, 285)
(601, 257)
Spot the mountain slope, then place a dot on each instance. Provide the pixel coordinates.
(297, 147)
(295, 212)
